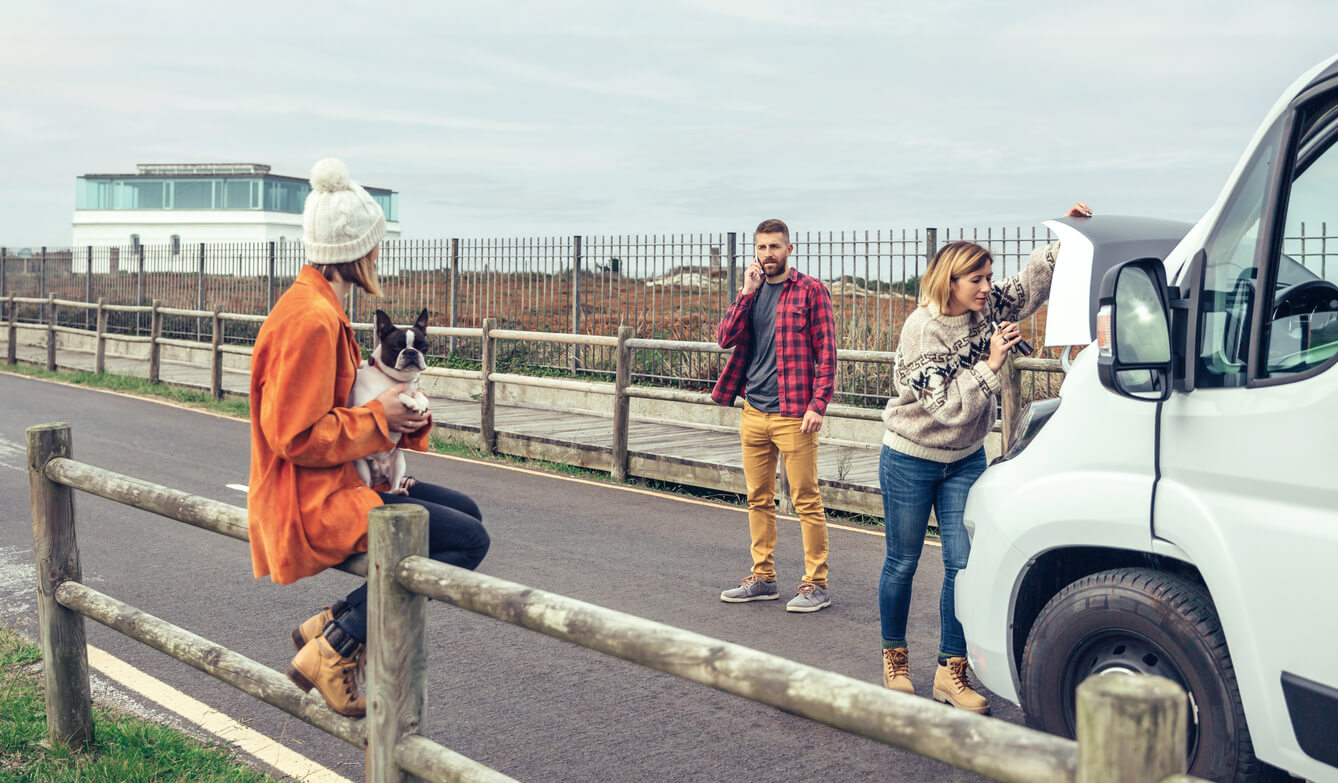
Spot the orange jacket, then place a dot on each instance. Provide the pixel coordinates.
(306, 507)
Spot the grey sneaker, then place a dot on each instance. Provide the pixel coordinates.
(811, 598)
(752, 589)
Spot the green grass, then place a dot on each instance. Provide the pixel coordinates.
(129, 384)
(124, 748)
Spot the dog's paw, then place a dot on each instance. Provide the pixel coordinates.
(414, 404)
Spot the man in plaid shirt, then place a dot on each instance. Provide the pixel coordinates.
(784, 364)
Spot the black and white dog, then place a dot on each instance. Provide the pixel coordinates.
(396, 358)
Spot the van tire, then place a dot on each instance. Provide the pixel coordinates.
(1140, 619)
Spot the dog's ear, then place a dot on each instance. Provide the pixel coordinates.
(421, 323)
(384, 326)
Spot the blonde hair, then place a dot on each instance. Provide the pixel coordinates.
(953, 260)
(361, 272)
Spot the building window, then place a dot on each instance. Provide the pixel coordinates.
(192, 194)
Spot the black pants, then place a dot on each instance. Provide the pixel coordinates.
(455, 535)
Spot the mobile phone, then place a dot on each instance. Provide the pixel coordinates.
(1023, 347)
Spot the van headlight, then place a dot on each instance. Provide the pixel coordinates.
(1033, 417)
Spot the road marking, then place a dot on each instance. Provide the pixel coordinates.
(651, 492)
(126, 395)
(517, 468)
(13, 455)
(238, 487)
(246, 739)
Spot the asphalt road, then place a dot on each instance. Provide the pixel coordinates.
(532, 707)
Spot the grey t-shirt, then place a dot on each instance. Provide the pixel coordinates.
(761, 388)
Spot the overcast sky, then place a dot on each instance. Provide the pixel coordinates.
(601, 116)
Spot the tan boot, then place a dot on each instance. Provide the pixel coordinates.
(312, 627)
(338, 679)
(952, 685)
(897, 670)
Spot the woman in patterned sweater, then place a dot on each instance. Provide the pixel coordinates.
(942, 407)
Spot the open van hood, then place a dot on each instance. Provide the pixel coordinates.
(1088, 247)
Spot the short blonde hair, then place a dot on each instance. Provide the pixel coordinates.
(953, 260)
(361, 272)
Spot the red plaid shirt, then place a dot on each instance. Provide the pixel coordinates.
(805, 347)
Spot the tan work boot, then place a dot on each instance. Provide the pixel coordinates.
(338, 679)
(952, 685)
(897, 670)
(313, 625)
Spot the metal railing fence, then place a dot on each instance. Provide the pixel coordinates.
(669, 286)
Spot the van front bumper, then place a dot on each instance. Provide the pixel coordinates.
(984, 596)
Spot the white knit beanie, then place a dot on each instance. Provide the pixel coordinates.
(340, 222)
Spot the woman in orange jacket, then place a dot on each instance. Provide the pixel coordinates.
(306, 506)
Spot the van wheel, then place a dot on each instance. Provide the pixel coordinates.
(1138, 620)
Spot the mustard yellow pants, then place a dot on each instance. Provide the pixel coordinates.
(764, 435)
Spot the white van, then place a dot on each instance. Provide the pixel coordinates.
(1175, 511)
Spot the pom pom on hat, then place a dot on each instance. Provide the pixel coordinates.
(340, 221)
(329, 175)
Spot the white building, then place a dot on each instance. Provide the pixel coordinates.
(190, 203)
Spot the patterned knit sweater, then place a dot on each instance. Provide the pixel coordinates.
(943, 391)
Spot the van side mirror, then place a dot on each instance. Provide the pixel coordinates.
(1134, 331)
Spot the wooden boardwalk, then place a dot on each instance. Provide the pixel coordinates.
(688, 454)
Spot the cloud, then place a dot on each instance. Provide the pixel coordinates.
(672, 116)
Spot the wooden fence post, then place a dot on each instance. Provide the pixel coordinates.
(622, 378)
(487, 405)
(100, 354)
(396, 638)
(51, 333)
(155, 350)
(1130, 727)
(783, 486)
(12, 346)
(216, 363)
(1010, 400)
(69, 706)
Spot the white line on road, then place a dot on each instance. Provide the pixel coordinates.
(238, 487)
(13, 455)
(651, 492)
(547, 474)
(248, 740)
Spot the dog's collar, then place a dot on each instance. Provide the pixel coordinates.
(389, 372)
(372, 361)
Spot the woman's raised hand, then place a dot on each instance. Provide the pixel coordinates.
(1004, 338)
(1079, 209)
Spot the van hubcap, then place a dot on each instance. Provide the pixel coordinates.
(1122, 652)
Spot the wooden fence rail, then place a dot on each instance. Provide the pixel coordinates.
(621, 390)
(1114, 742)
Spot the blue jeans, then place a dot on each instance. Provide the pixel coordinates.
(455, 535)
(911, 487)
